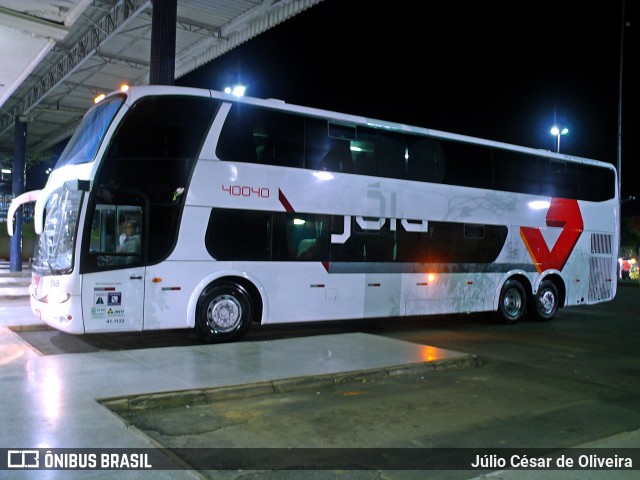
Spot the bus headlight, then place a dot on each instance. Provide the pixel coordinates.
(56, 297)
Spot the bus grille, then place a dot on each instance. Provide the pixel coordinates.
(601, 273)
(601, 243)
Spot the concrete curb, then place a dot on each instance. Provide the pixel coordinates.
(272, 387)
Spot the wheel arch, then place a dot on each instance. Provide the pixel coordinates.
(558, 281)
(248, 282)
(515, 275)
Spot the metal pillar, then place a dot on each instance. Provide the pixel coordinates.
(19, 155)
(163, 42)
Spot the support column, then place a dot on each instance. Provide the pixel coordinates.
(163, 42)
(19, 155)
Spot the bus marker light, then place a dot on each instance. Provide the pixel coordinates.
(431, 277)
(156, 279)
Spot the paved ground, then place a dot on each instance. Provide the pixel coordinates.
(51, 401)
(583, 394)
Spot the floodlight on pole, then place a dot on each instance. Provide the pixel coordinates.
(236, 90)
(557, 132)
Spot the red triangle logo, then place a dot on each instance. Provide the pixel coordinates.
(563, 213)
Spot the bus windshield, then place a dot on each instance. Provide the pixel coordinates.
(54, 252)
(86, 139)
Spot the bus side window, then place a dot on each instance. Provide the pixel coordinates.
(236, 143)
(103, 230)
(515, 172)
(365, 161)
(338, 159)
(426, 161)
(115, 237)
(279, 138)
(468, 165)
(353, 250)
(288, 152)
(379, 246)
(558, 178)
(391, 158)
(595, 184)
(225, 227)
(412, 246)
(445, 242)
(311, 238)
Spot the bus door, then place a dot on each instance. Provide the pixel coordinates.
(114, 271)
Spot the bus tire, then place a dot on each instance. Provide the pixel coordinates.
(545, 302)
(513, 301)
(224, 312)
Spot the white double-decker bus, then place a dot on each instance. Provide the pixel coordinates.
(180, 208)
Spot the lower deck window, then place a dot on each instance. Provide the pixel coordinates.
(290, 236)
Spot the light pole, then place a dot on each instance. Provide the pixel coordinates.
(622, 28)
(557, 132)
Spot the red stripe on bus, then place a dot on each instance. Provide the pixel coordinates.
(285, 203)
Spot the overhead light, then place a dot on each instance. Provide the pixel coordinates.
(236, 90)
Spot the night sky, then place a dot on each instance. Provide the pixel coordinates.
(504, 71)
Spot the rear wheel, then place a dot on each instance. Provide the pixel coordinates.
(545, 302)
(224, 312)
(513, 301)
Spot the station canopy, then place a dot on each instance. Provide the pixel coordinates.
(57, 56)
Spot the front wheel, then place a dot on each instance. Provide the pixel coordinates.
(545, 302)
(224, 312)
(513, 301)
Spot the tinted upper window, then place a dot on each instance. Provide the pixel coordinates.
(259, 135)
(154, 152)
(164, 127)
(86, 140)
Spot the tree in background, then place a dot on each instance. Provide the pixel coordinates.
(630, 236)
